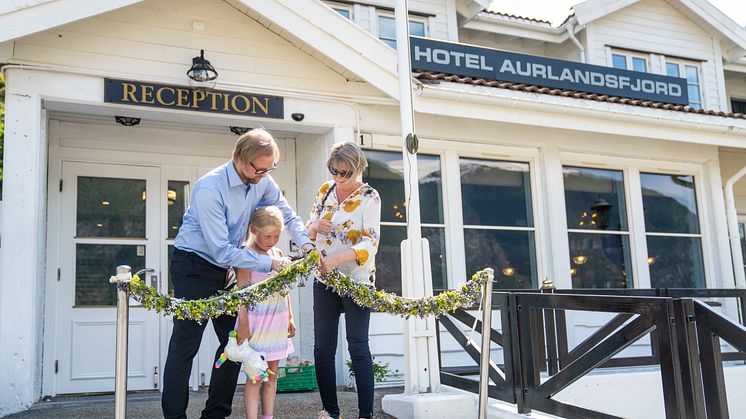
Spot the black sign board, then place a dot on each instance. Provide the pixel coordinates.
(186, 98)
(492, 64)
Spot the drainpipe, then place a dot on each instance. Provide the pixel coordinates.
(571, 32)
(733, 236)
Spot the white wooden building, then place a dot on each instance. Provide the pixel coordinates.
(508, 170)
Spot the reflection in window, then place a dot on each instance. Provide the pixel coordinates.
(498, 221)
(108, 207)
(691, 73)
(597, 226)
(672, 227)
(94, 263)
(176, 197)
(385, 174)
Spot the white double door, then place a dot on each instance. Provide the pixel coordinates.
(118, 214)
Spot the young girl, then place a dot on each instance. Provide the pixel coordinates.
(269, 326)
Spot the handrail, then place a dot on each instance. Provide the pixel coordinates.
(685, 335)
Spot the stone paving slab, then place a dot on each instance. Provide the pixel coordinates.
(304, 405)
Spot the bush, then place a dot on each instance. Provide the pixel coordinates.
(380, 370)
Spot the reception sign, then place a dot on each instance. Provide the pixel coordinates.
(491, 64)
(185, 98)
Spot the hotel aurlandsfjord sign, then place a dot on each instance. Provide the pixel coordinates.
(492, 64)
(183, 97)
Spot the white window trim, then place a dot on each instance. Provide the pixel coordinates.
(656, 64)
(682, 73)
(384, 13)
(649, 58)
(632, 168)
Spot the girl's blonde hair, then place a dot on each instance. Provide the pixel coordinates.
(265, 217)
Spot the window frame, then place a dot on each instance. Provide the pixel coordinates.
(632, 168)
(682, 66)
(656, 63)
(627, 202)
(375, 28)
(628, 58)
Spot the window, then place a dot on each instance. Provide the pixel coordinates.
(738, 106)
(385, 174)
(629, 61)
(342, 9)
(387, 29)
(499, 228)
(672, 229)
(598, 231)
(690, 72)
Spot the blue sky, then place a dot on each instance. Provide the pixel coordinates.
(555, 11)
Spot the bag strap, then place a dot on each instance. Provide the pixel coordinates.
(323, 201)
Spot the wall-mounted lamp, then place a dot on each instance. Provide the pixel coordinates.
(580, 259)
(509, 271)
(602, 209)
(651, 260)
(171, 196)
(239, 130)
(297, 117)
(202, 74)
(127, 121)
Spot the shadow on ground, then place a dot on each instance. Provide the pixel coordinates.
(148, 405)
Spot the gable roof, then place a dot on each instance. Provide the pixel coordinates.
(700, 11)
(310, 25)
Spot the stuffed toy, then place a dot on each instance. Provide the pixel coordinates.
(254, 365)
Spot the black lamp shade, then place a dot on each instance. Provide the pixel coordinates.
(201, 70)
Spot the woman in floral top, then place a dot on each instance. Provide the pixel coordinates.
(345, 223)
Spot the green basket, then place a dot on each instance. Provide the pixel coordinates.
(300, 378)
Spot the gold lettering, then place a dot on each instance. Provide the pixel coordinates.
(213, 100)
(197, 97)
(146, 95)
(226, 102)
(245, 102)
(264, 108)
(182, 96)
(159, 96)
(127, 92)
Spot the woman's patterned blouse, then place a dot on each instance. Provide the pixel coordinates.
(356, 223)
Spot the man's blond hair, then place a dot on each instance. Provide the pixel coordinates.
(255, 143)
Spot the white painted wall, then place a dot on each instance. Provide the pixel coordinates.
(155, 40)
(653, 26)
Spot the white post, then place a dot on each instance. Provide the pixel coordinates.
(420, 355)
(732, 218)
(124, 275)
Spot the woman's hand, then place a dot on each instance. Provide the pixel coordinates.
(291, 328)
(322, 226)
(328, 263)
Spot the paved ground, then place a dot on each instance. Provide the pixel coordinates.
(148, 405)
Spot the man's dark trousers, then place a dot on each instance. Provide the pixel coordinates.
(195, 278)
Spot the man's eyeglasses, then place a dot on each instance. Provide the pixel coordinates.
(343, 173)
(263, 171)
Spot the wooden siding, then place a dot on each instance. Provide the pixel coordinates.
(653, 26)
(155, 40)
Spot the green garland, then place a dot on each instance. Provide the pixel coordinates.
(381, 301)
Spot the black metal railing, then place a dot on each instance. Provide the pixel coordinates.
(684, 332)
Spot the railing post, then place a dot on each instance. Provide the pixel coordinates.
(124, 274)
(550, 330)
(484, 361)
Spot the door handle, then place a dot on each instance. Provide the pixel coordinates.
(154, 282)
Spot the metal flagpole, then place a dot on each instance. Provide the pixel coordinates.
(422, 373)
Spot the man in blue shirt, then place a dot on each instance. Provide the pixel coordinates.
(208, 243)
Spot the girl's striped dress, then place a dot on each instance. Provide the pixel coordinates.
(268, 323)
